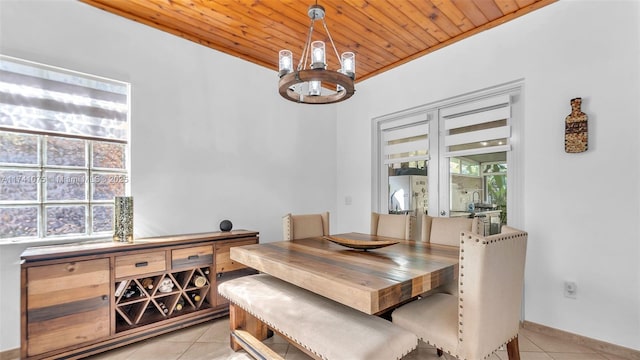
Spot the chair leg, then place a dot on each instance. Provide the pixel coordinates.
(439, 352)
(513, 350)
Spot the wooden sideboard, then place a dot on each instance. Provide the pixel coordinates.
(84, 298)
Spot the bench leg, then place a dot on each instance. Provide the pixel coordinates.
(241, 320)
(513, 349)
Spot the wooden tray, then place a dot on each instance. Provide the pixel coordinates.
(360, 244)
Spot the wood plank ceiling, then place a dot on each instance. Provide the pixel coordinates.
(382, 33)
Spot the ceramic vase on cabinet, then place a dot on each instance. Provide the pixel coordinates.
(123, 219)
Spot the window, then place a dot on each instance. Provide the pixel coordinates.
(63, 151)
(466, 144)
(476, 134)
(405, 153)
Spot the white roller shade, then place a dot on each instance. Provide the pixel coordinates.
(407, 141)
(56, 101)
(477, 127)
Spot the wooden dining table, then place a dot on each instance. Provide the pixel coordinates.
(372, 281)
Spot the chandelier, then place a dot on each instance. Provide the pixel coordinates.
(314, 85)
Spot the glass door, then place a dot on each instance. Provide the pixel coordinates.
(404, 160)
(465, 155)
(478, 186)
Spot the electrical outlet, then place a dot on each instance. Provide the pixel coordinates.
(570, 289)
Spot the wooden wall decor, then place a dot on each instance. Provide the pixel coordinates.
(576, 133)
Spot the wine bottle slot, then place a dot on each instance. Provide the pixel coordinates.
(121, 286)
(179, 304)
(147, 283)
(199, 281)
(163, 307)
(132, 291)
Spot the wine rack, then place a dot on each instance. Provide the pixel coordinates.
(151, 298)
(101, 295)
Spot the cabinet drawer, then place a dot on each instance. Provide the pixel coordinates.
(223, 255)
(138, 264)
(193, 256)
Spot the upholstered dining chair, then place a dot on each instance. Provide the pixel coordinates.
(393, 225)
(446, 231)
(305, 225)
(485, 314)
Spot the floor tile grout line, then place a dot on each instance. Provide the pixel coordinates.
(290, 354)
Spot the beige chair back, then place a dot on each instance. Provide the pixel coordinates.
(445, 230)
(490, 296)
(399, 226)
(305, 226)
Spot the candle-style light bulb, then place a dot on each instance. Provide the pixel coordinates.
(285, 62)
(318, 60)
(314, 88)
(349, 64)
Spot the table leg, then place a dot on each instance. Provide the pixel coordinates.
(242, 320)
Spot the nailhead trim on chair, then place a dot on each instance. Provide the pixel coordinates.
(502, 237)
(461, 290)
(288, 235)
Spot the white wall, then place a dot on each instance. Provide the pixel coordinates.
(581, 210)
(211, 137)
(204, 151)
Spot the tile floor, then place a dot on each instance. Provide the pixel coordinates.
(211, 341)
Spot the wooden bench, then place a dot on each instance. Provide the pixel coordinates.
(322, 328)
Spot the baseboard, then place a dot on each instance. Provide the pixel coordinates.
(598, 345)
(13, 354)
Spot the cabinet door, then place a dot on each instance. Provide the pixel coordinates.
(227, 269)
(223, 255)
(67, 304)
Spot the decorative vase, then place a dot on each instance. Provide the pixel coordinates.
(575, 129)
(123, 219)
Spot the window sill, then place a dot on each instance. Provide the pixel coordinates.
(53, 241)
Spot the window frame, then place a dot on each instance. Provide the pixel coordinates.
(438, 166)
(90, 172)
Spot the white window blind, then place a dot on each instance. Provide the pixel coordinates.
(405, 140)
(477, 127)
(58, 102)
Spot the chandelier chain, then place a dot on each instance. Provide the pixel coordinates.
(331, 41)
(307, 48)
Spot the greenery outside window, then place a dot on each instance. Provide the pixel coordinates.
(463, 166)
(495, 180)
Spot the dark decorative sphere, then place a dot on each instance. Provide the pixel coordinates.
(226, 225)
